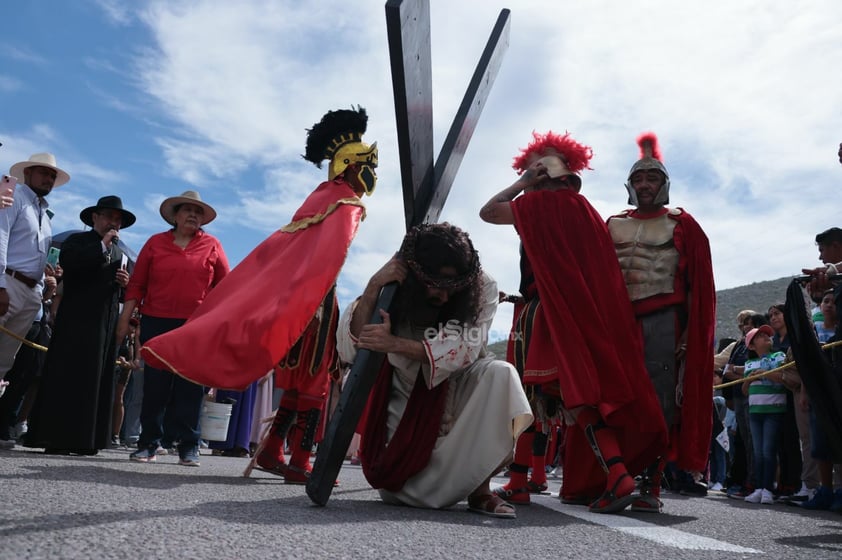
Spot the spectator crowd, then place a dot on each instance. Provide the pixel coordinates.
(74, 316)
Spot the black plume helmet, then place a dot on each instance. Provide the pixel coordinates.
(336, 129)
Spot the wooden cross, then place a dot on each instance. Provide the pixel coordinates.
(425, 184)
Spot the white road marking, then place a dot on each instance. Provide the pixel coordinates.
(629, 525)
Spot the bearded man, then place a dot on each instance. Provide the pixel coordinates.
(443, 416)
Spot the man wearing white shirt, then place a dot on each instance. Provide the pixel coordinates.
(25, 236)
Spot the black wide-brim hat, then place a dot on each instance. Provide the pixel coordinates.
(107, 203)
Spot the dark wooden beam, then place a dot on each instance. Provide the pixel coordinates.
(454, 147)
(408, 32)
(425, 190)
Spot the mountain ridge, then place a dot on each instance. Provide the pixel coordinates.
(758, 296)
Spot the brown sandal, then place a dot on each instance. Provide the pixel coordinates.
(647, 503)
(279, 469)
(490, 504)
(535, 488)
(609, 502)
(299, 475)
(518, 496)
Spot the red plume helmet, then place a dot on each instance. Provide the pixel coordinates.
(650, 158)
(649, 147)
(576, 156)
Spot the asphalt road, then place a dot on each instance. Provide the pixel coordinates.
(109, 507)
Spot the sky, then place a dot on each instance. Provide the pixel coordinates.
(147, 99)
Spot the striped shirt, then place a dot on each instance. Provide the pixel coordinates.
(766, 396)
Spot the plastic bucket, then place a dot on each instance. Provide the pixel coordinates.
(215, 419)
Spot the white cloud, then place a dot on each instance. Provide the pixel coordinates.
(21, 54)
(9, 84)
(744, 97)
(116, 11)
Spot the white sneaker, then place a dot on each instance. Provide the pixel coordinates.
(802, 495)
(766, 497)
(755, 497)
(717, 487)
(7, 444)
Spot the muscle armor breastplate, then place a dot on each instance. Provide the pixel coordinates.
(647, 254)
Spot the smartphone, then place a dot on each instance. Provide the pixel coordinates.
(7, 190)
(52, 256)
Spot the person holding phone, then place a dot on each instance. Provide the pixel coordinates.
(25, 235)
(73, 409)
(7, 191)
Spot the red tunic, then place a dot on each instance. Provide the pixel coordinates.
(694, 291)
(591, 331)
(530, 347)
(310, 363)
(255, 315)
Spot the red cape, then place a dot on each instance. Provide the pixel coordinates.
(692, 443)
(694, 438)
(695, 291)
(594, 335)
(249, 322)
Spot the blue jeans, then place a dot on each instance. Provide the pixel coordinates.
(165, 393)
(718, 465)
(766, 440)
(744, 428)
(133, 401)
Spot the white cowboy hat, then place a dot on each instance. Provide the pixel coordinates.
(187, 197)
(43, 160)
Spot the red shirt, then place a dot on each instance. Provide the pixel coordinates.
(170, 282)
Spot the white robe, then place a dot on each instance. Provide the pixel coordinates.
(485, 412)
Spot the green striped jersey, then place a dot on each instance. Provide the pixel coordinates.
(765, 396)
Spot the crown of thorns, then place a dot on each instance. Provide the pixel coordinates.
(458, 244)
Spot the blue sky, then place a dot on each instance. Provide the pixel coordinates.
(147, 99)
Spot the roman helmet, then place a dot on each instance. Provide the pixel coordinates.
(561, 155)
(650, 158)
(338, 138)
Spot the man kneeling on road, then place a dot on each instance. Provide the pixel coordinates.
(442, 417)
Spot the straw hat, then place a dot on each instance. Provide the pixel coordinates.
(107, 202)
(187, 197)
(42, 160)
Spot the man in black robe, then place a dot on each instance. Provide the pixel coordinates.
(72, 413)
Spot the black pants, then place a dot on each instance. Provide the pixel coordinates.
(789, 456)
(24, 372)
(165, 393)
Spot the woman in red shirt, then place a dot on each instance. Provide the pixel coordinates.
(174, 272)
